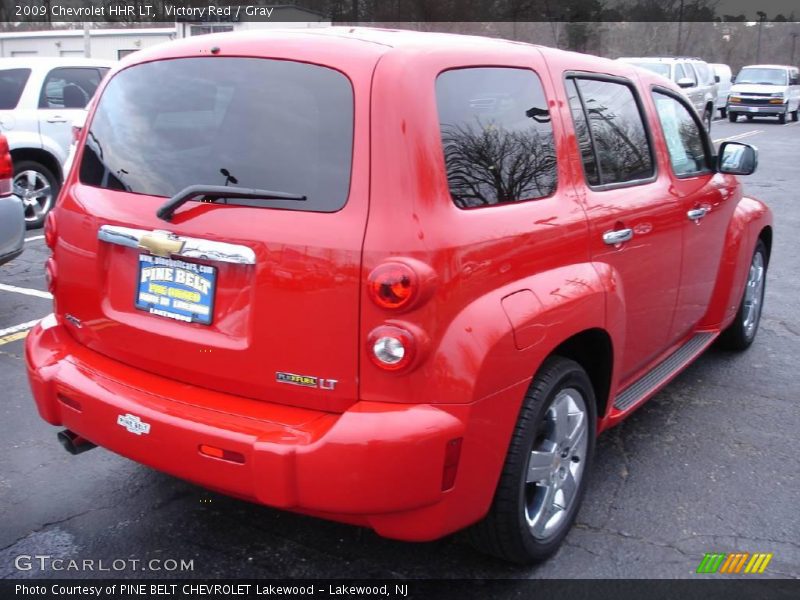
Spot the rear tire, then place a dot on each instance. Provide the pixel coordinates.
(544, 476)
(733, 117)
(749, 117)
(740, 334)
(38, 187)
(782, 118)
(795, 115)
(723, 112)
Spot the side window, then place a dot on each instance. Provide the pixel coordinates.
(702, 74)
(679, 72)
(12, 84)
(621, 145)
(496, 135)
(69, 87)
(582, 134)
(690, 73)
(683, 134)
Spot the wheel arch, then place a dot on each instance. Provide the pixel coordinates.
(41, 156)
(593, 350)
(751, 221)
(765, 235)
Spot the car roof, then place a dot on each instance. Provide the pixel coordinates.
(664, 59)
(768, 67)
(364, 42)
(44, 62)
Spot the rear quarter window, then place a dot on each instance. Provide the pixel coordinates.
(496, 135)
(256, 123)
(12, 82)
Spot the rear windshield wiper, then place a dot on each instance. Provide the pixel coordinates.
(167, 210)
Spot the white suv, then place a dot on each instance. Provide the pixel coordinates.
(39, 98)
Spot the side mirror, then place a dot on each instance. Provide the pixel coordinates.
(733, 78)
(794, 81)
(716, 79)
(685, 82)
(736, 158)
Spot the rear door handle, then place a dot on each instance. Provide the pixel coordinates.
(56, 119)
(697, 213)
(617, 236)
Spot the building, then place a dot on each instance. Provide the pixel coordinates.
(113, 44)
(108, 44)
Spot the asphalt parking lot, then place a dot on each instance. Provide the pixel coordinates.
(706, 466)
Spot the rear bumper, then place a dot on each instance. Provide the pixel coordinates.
(377, 464)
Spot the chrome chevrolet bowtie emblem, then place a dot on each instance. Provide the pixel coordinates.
(161, 243)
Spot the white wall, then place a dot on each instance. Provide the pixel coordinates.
(71, 43)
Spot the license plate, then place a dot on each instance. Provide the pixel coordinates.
(176, 289)
(753, 109)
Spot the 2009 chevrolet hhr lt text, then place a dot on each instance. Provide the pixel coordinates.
(395, 279)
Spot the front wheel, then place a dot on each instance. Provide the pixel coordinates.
(723, 112)
(795, 114)
(732, 117)
(741, 333)
(544, 476)
(782, 118)
(38, 188)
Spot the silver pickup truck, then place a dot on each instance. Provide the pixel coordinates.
(694, 76)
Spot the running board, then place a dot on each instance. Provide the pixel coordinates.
(664, 371)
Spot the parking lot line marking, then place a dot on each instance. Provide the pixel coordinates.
(33, 238)
(739, 136)
(792, 123)
(17, 332)
(26, 291)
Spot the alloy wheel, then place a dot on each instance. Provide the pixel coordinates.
(753, 294)
(36, 193)
(556, 463)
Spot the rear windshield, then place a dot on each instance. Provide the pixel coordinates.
(762, 76)
(658, 68)
(12, 82)
(248, 122)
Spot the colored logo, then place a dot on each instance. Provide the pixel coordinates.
(736, 563)
(133, 424)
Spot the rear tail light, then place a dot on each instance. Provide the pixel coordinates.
(50, 275)
(76, 133)
(50, 230)
(393, 285)
(6, 168)
(391, 348)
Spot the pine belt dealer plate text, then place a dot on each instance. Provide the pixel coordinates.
(176, 289)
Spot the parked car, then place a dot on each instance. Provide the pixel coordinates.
(357, 274)
(39, 97)
(12, 217)
(765, 91)
(694, 76)
(724, 78)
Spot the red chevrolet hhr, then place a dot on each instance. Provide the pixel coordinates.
(396, 279)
